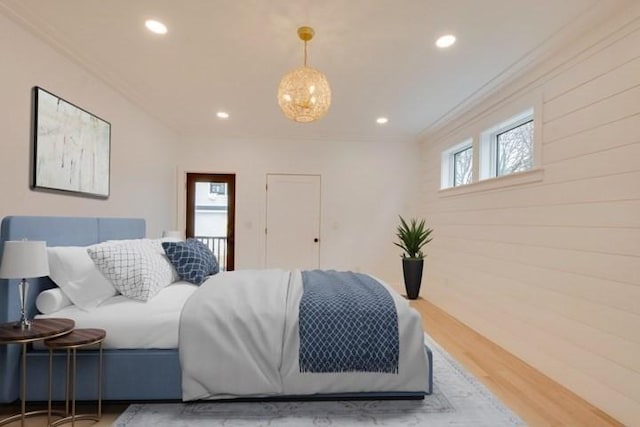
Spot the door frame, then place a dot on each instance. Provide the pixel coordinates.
(190, 179)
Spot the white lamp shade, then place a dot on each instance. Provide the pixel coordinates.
(23, 259)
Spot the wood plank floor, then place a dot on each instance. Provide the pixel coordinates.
(538, 400)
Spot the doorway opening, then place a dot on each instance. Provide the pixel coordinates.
(211, 214)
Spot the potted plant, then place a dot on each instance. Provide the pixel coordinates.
(413, 236)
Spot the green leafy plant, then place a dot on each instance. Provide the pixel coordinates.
(413, 236)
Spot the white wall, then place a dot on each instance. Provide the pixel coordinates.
(365, 186)
(550, 269)
(142, 149)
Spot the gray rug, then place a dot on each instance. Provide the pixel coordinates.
(459, 399)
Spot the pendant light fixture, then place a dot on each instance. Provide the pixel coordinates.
(304, 94)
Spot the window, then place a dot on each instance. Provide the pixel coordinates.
(463, 166)
(508, 147)
(514, 149)
(503, 149)
(219, 188)
(457, 165)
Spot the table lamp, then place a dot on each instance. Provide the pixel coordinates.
(174, 234)
(24, 259)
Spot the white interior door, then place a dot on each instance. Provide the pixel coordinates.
(293, 221)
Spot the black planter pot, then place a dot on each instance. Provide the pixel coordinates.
(412, 270)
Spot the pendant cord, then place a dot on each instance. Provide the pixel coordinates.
(305, 53)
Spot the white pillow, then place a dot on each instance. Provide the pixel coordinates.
(52, 300)
(71, 268)
(137, 268)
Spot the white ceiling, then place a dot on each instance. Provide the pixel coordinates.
(378, 55)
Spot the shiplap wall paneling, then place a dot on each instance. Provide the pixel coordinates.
(550, 270)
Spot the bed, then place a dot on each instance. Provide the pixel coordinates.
(152, 373)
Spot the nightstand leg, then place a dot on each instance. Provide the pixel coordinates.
(23, 386)
(50, 370)
(100, 383)
(73, 389)
(66, 384)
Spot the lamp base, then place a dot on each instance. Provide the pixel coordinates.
(22, 324)
(23, 288)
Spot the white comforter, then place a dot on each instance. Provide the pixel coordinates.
(239, 337)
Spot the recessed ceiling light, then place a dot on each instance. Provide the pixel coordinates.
(155, 26)
(222, 115)
(446, 41)
(382, 120)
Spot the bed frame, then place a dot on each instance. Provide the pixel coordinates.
(128, 375)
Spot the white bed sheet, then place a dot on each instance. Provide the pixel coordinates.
(134, 324)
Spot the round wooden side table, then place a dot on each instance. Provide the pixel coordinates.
(78, 338)
(40, 329)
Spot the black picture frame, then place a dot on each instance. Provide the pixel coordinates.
(71, 148)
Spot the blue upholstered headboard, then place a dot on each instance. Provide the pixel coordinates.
(56, 231)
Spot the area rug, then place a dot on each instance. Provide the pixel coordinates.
(458, 399)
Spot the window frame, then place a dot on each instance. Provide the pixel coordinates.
(488, 165)
(448, 163)
(497, 142)
(480, 129)
(454, 163)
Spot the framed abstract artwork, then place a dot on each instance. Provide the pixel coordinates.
(71, 147)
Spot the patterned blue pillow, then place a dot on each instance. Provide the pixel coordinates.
(192, 259)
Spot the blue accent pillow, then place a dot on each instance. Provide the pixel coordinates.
(192, 259)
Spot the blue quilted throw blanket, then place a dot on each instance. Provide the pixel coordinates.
(348, 323)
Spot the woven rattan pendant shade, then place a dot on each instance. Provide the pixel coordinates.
(304, 94)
